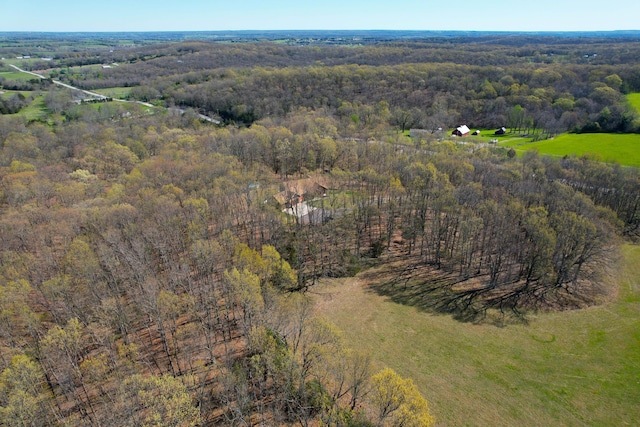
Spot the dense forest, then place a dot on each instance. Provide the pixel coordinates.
(150, 276)
(560, 84)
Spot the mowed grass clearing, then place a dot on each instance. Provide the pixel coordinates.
(35, 111)
(16, 75)
(114, 92)
(634, 100)
(608, 147)
(571, 368)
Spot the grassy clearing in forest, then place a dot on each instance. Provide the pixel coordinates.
(569, 368)
(634, 100)
(6, 94)
(114, 92)
(608, 147)
(35, 111)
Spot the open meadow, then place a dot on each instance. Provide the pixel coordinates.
(571, 368)
(36, 110)
(16, 75)
(634, 100)
(608, 147)
(114, 92)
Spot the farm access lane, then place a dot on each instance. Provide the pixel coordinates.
(59, 83)
(100, 96)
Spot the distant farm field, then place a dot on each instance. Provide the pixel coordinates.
(607, 147)
(634, 100)
(572, 368)
(114, 92)
(6, 94)
(16, 75)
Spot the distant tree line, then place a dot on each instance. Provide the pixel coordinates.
(557, 89)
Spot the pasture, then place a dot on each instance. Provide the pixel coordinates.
(36, 110)
(16, 75)
(634, 100)
(608, 147)
(571, 368)
(6, 94)
(114, 92)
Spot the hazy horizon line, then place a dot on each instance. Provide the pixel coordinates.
(322, 30)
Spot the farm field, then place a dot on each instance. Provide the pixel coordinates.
(79, 70)
(16, 61)
(607, 147)
(15, 75)
(571, 368)
(114, 92)
(9, 93)
(634, 100)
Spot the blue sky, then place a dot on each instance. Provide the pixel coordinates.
(212, 15)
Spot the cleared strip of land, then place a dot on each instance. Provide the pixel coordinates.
(571, 368)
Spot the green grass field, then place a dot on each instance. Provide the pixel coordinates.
(114, 92)
(634, 100)
(16, 61)
(36, 110)
(608, 147)
(82, 69)
(572, 368)
(16, 75)
(9, 93)
(486, 135)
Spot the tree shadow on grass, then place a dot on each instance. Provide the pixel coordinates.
(467, 299)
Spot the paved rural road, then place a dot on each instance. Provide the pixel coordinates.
(97, 95)
(100, 96)
(94, 94)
